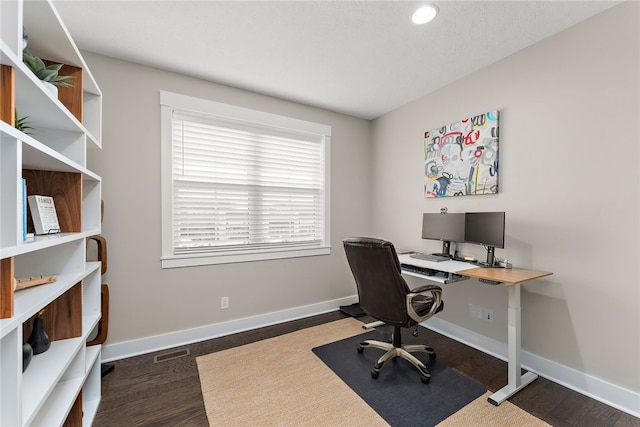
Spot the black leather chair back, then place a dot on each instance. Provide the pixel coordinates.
(382, 290)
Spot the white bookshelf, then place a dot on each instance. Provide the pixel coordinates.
(62, 385)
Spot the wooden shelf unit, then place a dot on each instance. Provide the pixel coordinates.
(62, 385)
(66, 190)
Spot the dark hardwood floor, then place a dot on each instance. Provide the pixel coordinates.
(139, 392)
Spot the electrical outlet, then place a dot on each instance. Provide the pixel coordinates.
(480, 313)
(475, 311)
(488, 315)
(224, 302)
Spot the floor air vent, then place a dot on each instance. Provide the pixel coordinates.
(171, 355)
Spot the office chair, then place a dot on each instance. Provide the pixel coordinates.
(385, 296)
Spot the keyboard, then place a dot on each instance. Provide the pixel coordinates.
(420, 270)
(430, 257)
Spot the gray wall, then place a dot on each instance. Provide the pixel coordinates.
(569, 183)
(146, 300)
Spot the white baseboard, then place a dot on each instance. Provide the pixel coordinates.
(595, 388)
(123, 350)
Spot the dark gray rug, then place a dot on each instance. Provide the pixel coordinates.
(398, 395)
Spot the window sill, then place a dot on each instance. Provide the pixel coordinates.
(176, 261)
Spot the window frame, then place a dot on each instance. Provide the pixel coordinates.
(170, 101)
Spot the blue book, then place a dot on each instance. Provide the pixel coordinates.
(24, 209)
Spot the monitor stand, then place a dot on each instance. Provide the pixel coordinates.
(490, 255)
(445, 250)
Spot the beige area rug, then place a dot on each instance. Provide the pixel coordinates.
(280, 382)
(482, 413)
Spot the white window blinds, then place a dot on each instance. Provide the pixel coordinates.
(239, 186)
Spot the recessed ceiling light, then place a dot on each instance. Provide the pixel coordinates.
(424, 14)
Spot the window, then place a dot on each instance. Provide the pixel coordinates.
(240, 185)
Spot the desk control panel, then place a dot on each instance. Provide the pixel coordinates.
(489, 282)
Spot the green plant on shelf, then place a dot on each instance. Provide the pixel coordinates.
(22, 124)
(46, 73)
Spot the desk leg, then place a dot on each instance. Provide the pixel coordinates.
(516, 381)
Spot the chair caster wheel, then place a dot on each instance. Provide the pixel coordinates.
(360, 350)
(375, 374)
(425, 380)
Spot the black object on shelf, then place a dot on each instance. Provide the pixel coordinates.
(39, 339)
(27, 355)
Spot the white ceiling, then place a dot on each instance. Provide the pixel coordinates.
(362, 58)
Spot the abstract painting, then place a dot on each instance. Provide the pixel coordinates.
(461, 158)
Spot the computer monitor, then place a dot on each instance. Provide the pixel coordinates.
(485, 228)
(447, 227)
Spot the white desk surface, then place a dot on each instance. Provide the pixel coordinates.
(446, 266)
(508, 276)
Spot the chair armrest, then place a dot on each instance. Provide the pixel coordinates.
(423, 288)
(436, 294)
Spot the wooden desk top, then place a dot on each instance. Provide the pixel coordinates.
(509, 276)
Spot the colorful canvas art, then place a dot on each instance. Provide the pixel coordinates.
(461, 158)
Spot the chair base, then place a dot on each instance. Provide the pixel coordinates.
(404, 352)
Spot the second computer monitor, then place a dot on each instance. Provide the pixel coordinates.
(485, 228)
(447, 227)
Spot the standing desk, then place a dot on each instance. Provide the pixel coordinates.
(453, 271)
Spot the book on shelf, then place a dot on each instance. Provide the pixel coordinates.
(24, 209)
(43, 213)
